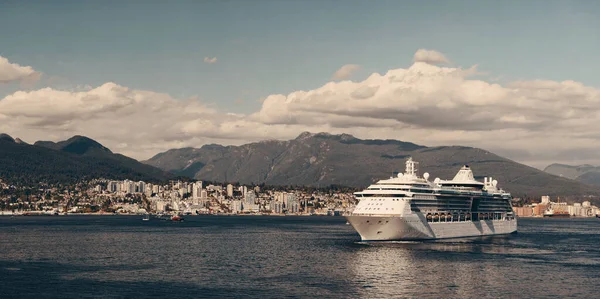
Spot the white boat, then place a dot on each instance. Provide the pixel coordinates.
(409, 207)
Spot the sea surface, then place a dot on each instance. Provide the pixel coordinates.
(287, 257)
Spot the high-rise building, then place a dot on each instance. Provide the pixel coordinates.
(291, 203)
(279, 196)
(276, 207)
(113, 186)
(196, 189)
(230, 190)
(545, 199)
(289, 198)
(236, 206)
(128, 187)
(293, 207)
(250, 197)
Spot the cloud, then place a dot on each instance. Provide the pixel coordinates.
(430, 56)
(210, 60)
(13, 72)
(537, 121)
(434, 105)
(345, 72)
(137, 123)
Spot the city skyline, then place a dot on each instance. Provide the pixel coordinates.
(515, 79)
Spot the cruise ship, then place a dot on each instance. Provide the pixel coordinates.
(409, 207)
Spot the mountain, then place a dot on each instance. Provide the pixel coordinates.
(67, 161)
(324, 159)
(586, 173)
(6, 138)
(79, 145)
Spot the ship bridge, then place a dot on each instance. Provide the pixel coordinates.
(401, 185)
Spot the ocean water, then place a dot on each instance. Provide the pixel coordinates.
(287, 257)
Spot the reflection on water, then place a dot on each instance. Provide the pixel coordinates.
(527, 264)
(274, 257)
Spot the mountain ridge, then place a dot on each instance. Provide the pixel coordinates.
(71, 160)
(321, 159)
(585, 173)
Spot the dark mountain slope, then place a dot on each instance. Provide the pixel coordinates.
(68, 161)
(324, 159)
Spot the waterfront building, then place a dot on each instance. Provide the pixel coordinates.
(276, 207)
(236, 206)
(523, 211)
(539, 209)
(250, 197)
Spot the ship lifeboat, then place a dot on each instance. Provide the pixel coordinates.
(449, 217)
(428, 217)
(436, 217)
(468, 217)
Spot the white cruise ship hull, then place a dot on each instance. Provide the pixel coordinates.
(415, 227)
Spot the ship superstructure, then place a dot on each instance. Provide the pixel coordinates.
(409, 207)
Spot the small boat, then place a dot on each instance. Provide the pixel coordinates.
(176, 218)
(146, 217)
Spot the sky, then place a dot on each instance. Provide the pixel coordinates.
(517, 78)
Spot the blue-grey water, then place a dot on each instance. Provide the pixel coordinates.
(279, 257)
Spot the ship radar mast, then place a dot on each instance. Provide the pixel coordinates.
(411, 167)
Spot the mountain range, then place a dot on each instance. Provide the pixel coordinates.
(319, 159)
(587, 174)
(323, 159)
(75, 159)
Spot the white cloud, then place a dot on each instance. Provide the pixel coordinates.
(137, 123)
(430, 56)
(345, 72)
(536, 122)
(210, 60)
(435, 105)
(14, 72)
